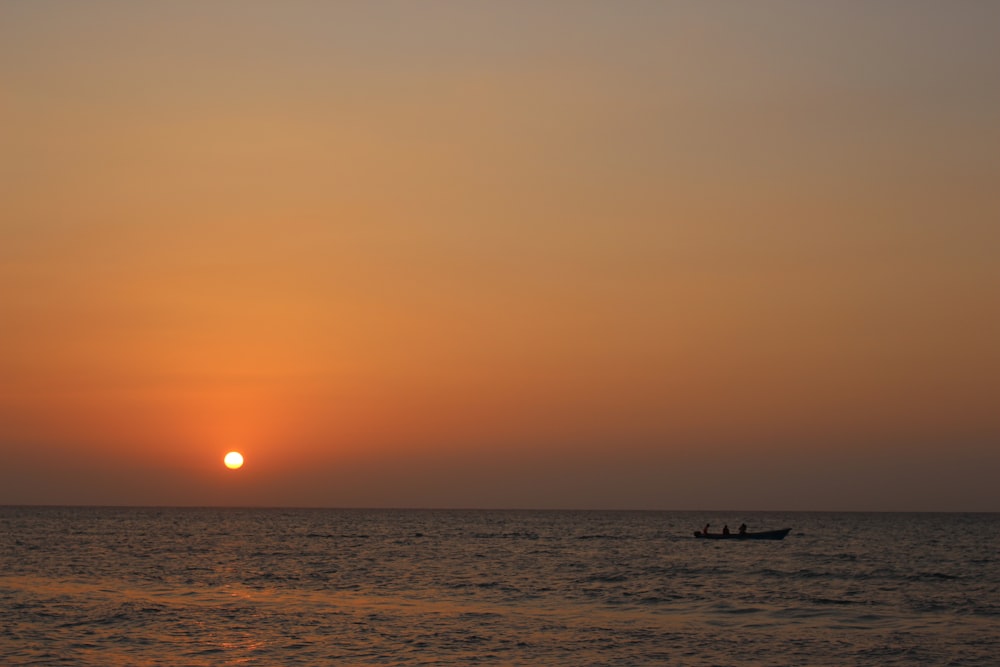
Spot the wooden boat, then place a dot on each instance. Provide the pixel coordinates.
(763, 535)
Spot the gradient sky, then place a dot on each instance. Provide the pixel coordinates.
(659, 255)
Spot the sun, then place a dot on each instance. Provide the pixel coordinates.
(233, 460)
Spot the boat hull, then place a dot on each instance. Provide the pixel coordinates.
(763, 535)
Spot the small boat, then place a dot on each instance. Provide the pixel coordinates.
(763, 535)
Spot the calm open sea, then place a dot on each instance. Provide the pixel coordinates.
(124, 586)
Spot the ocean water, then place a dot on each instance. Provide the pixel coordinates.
(131, 586)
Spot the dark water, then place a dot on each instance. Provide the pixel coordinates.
(114, 586)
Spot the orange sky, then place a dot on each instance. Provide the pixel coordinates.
(578, 254)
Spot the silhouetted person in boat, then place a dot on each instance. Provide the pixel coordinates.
(704, 531)
(725, 529)
(743, 529)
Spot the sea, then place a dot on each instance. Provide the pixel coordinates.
(185, 586)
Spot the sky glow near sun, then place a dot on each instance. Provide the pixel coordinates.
(500, 255)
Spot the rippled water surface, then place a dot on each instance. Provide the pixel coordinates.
(117, 586)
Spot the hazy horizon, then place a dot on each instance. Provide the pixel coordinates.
(622, 510)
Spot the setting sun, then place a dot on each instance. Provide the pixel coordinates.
(233, 460)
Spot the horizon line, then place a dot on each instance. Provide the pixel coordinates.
(471, 509)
